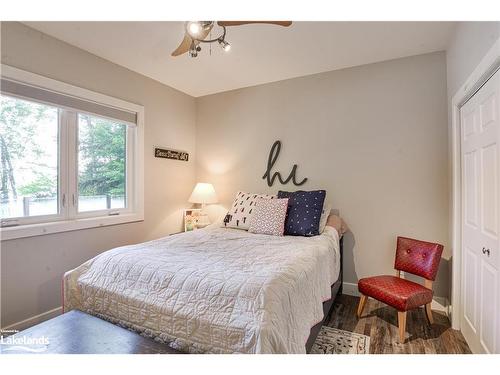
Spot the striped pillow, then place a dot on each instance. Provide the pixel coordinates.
(242, 209)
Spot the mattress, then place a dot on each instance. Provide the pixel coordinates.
(214, 290)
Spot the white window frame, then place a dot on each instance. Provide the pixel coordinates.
(73, 177)
(69, 218)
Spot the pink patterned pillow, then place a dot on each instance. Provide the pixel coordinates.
(269, 217)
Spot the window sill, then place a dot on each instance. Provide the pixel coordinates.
(31, 230)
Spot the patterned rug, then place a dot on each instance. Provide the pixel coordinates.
(336, 341)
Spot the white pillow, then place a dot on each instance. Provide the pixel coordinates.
(242, 209)
(327, 207)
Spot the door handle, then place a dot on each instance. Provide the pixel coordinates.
(486, 251)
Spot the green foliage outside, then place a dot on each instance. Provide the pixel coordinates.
(18, 119)
(42, 186)
(102, 156)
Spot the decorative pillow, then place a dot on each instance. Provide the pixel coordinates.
(304, 212)
(338, 223)
(242, 210)
(269, 217)
(327, 207)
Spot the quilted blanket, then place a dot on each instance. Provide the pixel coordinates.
(214, 290)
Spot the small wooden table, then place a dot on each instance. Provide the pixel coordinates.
(78, 333)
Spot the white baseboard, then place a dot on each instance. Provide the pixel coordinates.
(441, 304)
(438, 303)
(26, 323)
(351, 289)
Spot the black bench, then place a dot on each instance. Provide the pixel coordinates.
(78, 333)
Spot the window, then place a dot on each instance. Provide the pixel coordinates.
(29, 171)
(70, 159)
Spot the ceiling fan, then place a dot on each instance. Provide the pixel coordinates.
(196, 32)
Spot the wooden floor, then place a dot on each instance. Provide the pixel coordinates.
(380, 323)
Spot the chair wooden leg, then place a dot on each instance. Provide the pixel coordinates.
(428, 312)
(402, 325)
(361, 306)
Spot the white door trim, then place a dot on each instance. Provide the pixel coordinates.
(486, 68)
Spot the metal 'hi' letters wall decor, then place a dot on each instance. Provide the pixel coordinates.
(273, 156)
(171, 154)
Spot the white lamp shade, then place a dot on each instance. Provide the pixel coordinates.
(203, 193)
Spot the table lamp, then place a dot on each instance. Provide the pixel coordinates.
(203, 193)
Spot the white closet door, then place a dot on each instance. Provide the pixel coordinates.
(480, 135)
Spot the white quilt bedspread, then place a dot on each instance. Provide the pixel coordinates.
(214, 290)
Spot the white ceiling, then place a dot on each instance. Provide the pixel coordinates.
(259, 53)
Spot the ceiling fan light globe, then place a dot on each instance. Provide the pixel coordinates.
(194, 28)
(225, 45)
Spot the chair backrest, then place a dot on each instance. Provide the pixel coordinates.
(418, 257)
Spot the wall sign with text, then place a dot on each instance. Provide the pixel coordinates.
(269, 176)
(171, 154)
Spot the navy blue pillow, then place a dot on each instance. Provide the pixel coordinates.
(304, 212)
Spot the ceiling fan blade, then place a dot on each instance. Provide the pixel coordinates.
(184, 46)
(187, 41)
(239, 23)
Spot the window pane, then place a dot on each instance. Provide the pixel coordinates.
(101, 163)
(28, 157)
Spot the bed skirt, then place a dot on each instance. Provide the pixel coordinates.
(328, 305)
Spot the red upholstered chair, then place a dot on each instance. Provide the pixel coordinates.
(416, 257)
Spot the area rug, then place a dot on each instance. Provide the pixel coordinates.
(336, 341)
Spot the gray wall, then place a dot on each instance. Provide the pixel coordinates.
(374, 136)
(469, 44)
(31, 268)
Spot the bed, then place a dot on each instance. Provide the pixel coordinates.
(215, 290)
